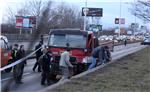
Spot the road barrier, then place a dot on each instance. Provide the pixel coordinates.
(19, 61)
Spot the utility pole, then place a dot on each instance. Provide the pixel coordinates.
(134, 19)
(120, 18)
(85, 15)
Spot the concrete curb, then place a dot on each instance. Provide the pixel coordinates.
(131, 50)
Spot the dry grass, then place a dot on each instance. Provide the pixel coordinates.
(130, 74)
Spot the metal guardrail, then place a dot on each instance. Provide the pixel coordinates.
(22, 37)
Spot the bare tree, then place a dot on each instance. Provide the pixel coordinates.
(66, 16)
(43, 24)
(141, 9)
(10, 16)
(49, 16)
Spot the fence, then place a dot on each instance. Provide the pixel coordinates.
(22, 37)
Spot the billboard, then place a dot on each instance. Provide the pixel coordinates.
(116, 20)
(134, 25)
(25, 21)
(119, 20)
(92, 12)
(95, 28)
(32, 21)
(19, 21)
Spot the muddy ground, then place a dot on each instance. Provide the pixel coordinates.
(128, 74)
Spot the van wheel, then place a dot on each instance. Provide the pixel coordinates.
(8, 70)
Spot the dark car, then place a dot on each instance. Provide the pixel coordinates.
(146, 41)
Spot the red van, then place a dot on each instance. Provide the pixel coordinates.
(5, 53)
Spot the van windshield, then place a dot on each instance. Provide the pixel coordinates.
(3, 44)
(75, 41)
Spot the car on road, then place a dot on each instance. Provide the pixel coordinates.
(146, 41)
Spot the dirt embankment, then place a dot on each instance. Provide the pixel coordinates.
(129, 74)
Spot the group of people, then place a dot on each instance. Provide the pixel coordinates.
(18, 53)
(100, 55)
(43, 58)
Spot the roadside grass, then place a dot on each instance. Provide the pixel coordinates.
(128, 74)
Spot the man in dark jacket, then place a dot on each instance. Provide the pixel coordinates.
(100, 53)
(15, 57)
(38, 54)
(44, 61)
(21, 65)
(96, 54)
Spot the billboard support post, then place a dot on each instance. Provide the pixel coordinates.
(85, 15)
(120, 19)
(20, 31)
(31, 31)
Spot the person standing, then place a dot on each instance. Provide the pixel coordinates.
(45, 61)
(125, 41)
(38, 54)
(65, 64)
(15, 57)
(42, 39)
(21, 54)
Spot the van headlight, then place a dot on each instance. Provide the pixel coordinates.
(52, 58)
(87, 60)
(5, 54)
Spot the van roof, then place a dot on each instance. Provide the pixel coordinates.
(68, 31)
(4, 38)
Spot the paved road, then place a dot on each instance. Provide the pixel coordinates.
(32, 79)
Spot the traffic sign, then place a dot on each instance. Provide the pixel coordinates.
(119, 20)
(95, 28)
(116, 20)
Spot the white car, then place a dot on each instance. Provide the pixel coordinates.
(146, 41)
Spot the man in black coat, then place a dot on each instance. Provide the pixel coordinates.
(45, 61)
(21, 65)
(38, 54)
(101, 53)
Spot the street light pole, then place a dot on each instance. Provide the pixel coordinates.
(134, 20)
(85, 15)
(120, 19)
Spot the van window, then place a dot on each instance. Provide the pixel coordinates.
(3, 45)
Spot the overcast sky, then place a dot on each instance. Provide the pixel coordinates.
(111, 9)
